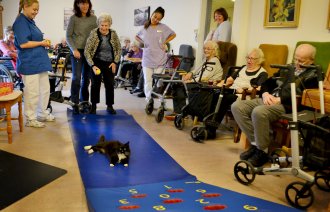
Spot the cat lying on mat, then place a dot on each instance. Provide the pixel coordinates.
(116, 151)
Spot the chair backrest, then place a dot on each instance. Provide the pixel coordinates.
(186, 51)
(228, 55)
(322, 56)
(274, 54)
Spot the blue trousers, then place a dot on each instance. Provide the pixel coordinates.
(81, 75)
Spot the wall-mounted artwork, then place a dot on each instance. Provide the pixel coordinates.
(329, 16)
(141, 15)
(282, 13)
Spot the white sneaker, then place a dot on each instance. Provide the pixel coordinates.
(48, 118)
(34, 123)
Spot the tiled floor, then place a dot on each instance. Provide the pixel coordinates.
(212, 162)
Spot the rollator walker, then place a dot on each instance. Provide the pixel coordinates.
(298, 194)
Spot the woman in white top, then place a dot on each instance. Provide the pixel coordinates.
(223, 31)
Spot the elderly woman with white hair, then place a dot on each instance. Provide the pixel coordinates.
(251, 75)
(213, 73)
(102, 52)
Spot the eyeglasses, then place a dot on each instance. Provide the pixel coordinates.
(209, 49)
(251, 58)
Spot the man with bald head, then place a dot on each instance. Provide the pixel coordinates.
(255, 116)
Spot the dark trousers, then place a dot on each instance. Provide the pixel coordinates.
(108, 80)
(81, 72)
(227, 100)
(133, 67)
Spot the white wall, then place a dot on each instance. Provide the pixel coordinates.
(181, 15)
(312, 26)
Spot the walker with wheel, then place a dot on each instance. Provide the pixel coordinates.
(298, 194)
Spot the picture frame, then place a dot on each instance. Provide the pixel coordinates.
(282, 13)
(141, 15)
(328, 25)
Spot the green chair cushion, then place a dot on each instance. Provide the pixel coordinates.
(322, 56)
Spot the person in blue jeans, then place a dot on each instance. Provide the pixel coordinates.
(79, 28)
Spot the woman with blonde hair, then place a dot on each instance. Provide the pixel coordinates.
(7, 45)
(33, 63)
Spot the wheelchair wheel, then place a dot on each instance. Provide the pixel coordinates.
(299, 195)
(178, 122)
(85, 107)
(116, 83)
(160, 114)
(198, 134)
(244, 172)
(322, 180)
(149, 107)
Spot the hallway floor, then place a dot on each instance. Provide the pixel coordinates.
(211, 162)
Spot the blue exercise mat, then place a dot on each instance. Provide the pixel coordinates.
(153, 181)
(149, 163)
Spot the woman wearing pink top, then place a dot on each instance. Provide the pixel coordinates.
(154, 36)
(7, 45)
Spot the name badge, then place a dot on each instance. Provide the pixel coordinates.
(159, 30)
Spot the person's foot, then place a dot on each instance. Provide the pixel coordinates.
(75, 109)
(248, 153)
(259, 158)
(48, 118)
(34, 123)
(136, 90)
(111, 110)
(93, 109)
(141, 95)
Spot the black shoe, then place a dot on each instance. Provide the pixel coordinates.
(248, 153)
(141, 94)
(75, 109)
(93, 110)
(259, 158)
(111, 110)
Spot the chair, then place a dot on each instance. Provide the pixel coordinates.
(274, 54)
(6, 102)
(228, 55)
(186, 51)
(311, 97)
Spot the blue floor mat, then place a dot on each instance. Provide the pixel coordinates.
(153, 181)
(149, 163)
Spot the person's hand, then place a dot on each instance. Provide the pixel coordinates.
(96, 70)
(76, 54)
(46, 43)
(113, 67)
(187, 77)
(239, 90)
(269, 99)
(164, 47)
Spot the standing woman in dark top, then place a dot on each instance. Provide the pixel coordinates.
(103, 53)
(79, 27)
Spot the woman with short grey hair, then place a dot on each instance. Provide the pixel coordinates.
(102, 52)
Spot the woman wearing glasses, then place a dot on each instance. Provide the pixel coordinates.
(213, 73)
(251, 75)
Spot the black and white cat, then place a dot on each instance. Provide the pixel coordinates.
(116, 151)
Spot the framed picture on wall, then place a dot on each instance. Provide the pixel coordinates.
(141, 15)
(328, 25)
(282, 13)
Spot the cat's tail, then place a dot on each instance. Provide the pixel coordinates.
(89, 149)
